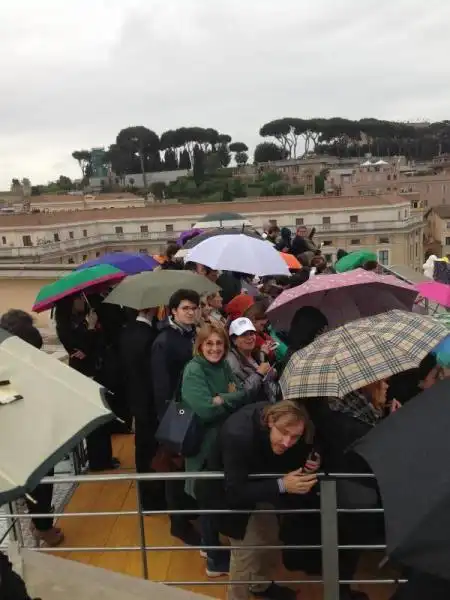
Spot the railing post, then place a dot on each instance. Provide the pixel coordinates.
(330, 550)
(143, 542)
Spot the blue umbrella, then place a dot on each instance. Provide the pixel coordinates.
(127, 262)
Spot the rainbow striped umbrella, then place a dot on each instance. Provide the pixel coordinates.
(76, 282)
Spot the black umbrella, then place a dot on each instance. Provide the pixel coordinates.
(409, 454)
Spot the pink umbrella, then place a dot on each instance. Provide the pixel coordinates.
(435, 291)
(344, 297)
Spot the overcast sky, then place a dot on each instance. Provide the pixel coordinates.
(75, 72)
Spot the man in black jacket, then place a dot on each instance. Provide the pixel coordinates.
(171, 351)
(259, 438)
(135, 352)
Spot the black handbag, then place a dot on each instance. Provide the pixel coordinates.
(180, 430)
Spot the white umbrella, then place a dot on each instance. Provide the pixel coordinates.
(239, 253)
(45, 409)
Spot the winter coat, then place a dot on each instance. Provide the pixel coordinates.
(202, 381)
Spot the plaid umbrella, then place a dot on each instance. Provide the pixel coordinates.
(362, 352)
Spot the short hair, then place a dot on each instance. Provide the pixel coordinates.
(190, 266)
(20, 323)
(177, 298)
(294, 411)
(205, 332)
(14, 318)
(273, 229)
(256, 311)
(171, 250)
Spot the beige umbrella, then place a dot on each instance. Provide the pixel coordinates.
(45, 409)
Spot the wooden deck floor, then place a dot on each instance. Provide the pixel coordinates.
(118, 531)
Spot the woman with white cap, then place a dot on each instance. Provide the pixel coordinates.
(249, 367)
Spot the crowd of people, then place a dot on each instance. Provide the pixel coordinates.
(222, 359)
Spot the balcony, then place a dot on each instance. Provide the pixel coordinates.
(346, 227)
(85, 243)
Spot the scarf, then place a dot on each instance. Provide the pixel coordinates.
(357, 406)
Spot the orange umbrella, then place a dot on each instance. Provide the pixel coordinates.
(291, 261)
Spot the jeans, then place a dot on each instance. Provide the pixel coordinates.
(210, 537)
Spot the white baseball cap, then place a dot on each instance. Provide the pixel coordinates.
(240, 326)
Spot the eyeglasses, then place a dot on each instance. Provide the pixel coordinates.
(188, 308)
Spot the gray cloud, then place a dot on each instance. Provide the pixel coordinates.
(74, 73)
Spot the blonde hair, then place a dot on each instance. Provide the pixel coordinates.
(293, 411)
(205, 332)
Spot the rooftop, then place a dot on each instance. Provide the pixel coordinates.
(61, 198)
(442, 211)
(269, 206)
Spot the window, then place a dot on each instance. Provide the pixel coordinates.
(71, 261)
(143, 251)
(355, 242)
(169, 227)
(326, 220)
(56, 237)
(383, 257)
(97, 254)
(299, 221)
(85, 257)
(119, 230)
(70, 235)
(3, 239)
(84, 232)
(328, 258)
(447, 241)
(353, 218)
(327, 243)
(383, 240)
(144, 228)
(273, 222)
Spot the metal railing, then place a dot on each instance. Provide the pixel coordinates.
(329, 512)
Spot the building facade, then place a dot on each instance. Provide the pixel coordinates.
(437, 230)
(393, 177)
(385, 224)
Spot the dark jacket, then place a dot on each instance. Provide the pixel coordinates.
(74, 336)
(171, 351)
(243, 448)
(135, 353)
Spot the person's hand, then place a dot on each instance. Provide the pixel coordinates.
(299, 482)
(217, 401)
(78, 354)
(263, 368)
(267, 347)
(91, 319)
(313, 462)
(395, 405)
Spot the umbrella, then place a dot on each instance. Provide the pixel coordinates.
(239, 253)
(147, 290)
(74, 283)
(354, 260)
(222, 219)
(191, 243)
(362, 352)
(185, 236)
(127, 262)
(291, 261)
(435, 291)
(44, 411)
(408, 453)
(344, 297)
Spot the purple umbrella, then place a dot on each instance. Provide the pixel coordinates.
(188, 235)
(125, 261)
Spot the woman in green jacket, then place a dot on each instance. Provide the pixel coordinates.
(211, 392)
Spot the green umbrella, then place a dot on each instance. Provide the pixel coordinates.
(75, 283)
(151, 289)
(354, 260)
